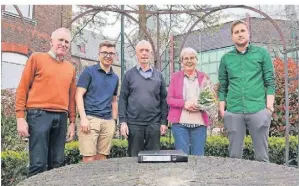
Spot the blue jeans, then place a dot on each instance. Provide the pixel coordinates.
(46, 141)
(190, 140)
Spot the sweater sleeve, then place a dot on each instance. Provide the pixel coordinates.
(72, 102)
(268, 74)
(164, 107)
(171, 100)
(223, 80)
(24, 86)
(123, 100)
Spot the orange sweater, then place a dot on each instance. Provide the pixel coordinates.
(47, 84)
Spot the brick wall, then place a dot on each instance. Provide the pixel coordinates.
(14, 47)
(47, 18)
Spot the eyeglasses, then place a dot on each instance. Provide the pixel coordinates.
(189, 59)
(105, 54)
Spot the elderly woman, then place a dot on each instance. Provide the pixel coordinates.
(189, 122)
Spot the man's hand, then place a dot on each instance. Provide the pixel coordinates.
(270, 110)
(221, 108)
(22, 127)
(71, 132)
(270, 103)
(221, 113)
(124, 130)
(84, 125)
(163, 129)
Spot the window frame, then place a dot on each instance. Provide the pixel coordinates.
(27, 18)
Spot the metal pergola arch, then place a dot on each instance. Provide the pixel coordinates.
(207, 11)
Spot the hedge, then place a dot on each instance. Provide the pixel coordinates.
(14, 164)
(13, 167)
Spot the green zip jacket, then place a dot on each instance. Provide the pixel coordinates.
(246, 79)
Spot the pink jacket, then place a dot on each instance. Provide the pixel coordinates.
(175, 98)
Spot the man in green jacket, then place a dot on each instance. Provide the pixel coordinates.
(247, 88)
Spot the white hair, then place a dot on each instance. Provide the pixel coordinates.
(188, 50)
(142, 42)
(54, 33)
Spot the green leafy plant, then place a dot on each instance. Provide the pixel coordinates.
(13, 167)
(278, 121)
(207, 99)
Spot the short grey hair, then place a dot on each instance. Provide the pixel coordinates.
(188, 50)
(54, 33)
(143, 42)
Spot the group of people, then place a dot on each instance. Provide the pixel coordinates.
(48, 94)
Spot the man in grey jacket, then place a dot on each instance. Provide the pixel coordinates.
(142, 103)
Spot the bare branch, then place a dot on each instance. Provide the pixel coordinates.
(162, 11)
(130, 42)
(80, 31)
(132, 8)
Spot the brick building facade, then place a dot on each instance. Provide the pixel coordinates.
(17, 44)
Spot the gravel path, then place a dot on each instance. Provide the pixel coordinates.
(198, 171)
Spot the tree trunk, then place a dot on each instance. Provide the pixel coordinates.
(142, 21)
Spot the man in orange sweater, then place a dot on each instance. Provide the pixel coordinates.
(47, 94)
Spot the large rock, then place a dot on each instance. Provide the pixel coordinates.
(198, 171)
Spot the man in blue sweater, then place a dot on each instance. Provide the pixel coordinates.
(142, 103)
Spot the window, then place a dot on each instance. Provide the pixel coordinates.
(213, 56)
(199, 66)
(205, 68)
(199, 61)
(213, 67)
(83, 48)
(26, 10)
(205, 57)
(221, 52)
(12, 69)
(214, 78)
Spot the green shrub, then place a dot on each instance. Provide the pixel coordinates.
(72, 154)
(278, 122)
(14, 163)
(215, 146)
(8, 99)
(14, 167)
(10, 139)
(119, 148)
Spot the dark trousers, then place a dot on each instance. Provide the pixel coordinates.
(143, 137)
(46, 141)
